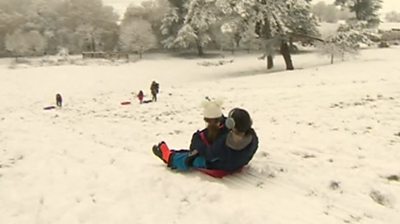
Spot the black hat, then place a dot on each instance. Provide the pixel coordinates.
(239, 119)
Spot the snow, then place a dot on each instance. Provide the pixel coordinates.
(389, 26)
(328, 142)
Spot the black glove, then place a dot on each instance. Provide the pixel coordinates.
(193, 154)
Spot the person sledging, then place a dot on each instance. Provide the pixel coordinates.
(228, 153)
(215, 125)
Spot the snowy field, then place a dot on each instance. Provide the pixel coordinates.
(329, 142)
(389, 26)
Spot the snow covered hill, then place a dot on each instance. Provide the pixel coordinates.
(329, 143)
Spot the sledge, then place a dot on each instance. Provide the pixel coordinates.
(216, 173)
(126, 103)
(49, 108)
(211, 172)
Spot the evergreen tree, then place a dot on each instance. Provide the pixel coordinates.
(365, 10)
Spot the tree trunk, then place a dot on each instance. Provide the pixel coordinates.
(332, 58)
(93, 44)
(263, 30)
(291, 45)
(357, 10)
(358, 14)
(141, 50)
(285, 51)
(200, 50)
(268, 35)
(270, 62)
(237, 40)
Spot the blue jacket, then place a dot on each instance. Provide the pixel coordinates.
(220, 156)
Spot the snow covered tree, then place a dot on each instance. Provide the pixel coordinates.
(257, 14)
(196, 29)
(365, 10)
(16, 43)
(347, 40)
(301, 23)
(101, 21)
(173, 21)
(273, 19)
(152, 11)
(137, 36)
(275, 22)
(89, 37)
(234, 33)
(60, 22)
(330, 12)
(324, 12)
(25, 43)
(249, 39)
(231, 31)
(331, 49)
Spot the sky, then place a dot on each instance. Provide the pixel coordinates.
(120, 5)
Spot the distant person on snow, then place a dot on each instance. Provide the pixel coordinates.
(140, 96)
(230, 152)
(59, 100)
(154, 88)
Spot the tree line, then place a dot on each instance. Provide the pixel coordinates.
(38, 27)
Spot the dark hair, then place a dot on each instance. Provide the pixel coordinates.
(242, 120)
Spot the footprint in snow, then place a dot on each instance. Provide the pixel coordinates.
(334, 185)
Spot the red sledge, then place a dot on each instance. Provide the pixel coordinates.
(126, 103)
(217, 173)
(210, 172)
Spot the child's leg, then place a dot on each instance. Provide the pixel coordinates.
(199, 162)
(180, 161)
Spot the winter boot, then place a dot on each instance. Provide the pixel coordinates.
(163, 152)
